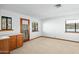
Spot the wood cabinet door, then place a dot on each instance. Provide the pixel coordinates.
(4, 46)
(13, 42)
(19, 41)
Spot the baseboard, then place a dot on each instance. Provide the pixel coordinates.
(60, 39)
(36, 37)
(55, 38)
(5, 52)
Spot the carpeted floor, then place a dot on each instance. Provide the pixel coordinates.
(47, 46)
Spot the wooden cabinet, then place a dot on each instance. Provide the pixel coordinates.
(13, 42)
(19, 40)
(4, 46)
(16, 41)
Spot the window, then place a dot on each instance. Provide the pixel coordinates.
(72, 26)
(34, 26)
(6, 23)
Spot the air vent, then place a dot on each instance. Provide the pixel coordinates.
(58, 5)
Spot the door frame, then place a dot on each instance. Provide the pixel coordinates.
(28, 27)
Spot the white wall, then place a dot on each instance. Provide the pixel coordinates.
(16, 23)
(35, 34)
(55, 27)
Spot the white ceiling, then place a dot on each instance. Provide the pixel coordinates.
(42, 11)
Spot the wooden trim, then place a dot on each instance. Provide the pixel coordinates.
(55, 38)
(6, 30)
(60, 39)
(36, 37)
(20, 25)
(65, 27)
(5, 52)
(29, 28)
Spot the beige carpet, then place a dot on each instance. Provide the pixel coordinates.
(47, 46)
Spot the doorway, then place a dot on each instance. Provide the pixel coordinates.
(25, 28)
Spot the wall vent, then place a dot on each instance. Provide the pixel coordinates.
(58, 5)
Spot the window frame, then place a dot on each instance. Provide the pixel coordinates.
(2, 17)
(75, 28)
